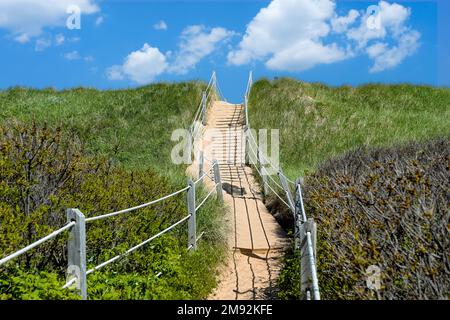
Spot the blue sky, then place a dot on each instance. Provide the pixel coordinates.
(130, 43)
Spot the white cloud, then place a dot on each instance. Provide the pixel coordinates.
(73, 55)
(386, 57)
(42, 44)
(392, 19)
(115, 73)
(59, 39)
(196, 43)
(26, 19)
(161, 25)
(391, 27)
(288, 34)
(295, 35)
(99, 21)
(341, 24)
(141, 66)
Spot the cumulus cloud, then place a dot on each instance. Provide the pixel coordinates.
(341, 24)
(196, 43)
(144, 65)
(26, 19)
(373, 37)
(141, 66)
(386, 57)
(161, 25)
(295, 35)
(288, 35)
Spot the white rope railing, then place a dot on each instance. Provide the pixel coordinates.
(206, 198)
(77, 241)
(37, 243)
(104, 264)
(112, 214)
(305, 230)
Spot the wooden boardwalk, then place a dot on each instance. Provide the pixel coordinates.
(256, 240)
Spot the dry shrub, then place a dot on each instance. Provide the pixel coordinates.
(384, 207)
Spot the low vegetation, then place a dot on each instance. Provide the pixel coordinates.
(375, 181)
(318, 122)
(388, 208)
(101, 152)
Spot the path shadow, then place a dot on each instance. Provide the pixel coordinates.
(233, 190)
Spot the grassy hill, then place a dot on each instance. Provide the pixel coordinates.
(101, 151)
(376, 180)
(317, 122)
(132, 127)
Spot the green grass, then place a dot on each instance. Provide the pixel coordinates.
(132, 127)
(319, 125)
(318, 122)
(129, 133)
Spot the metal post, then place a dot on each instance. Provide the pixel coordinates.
(287, 191)
(192, 224)
(218, 181)
(201, 165)
(76, 251)
(204, 108)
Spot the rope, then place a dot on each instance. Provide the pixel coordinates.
(137, 207)
(206, 198)
(273, 190)
(270, 176)
(137, 246)
(35, 244)
(200, 178)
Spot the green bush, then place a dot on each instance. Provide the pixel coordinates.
(44, 172)
(386, 207)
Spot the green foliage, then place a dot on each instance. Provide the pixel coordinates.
(384, 207)
(43, 172)
(318, 122)
(18, 284)
(130, 127)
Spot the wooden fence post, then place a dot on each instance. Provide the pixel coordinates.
(201, 162)
(218, 181)
(204, 108)
(192, 223)
(76, 250)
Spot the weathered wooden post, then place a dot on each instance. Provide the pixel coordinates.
(201, 163)
(204, 108)
(265, 181)
(192, 223)
(76, 251)
(300, 215)
(309, 283)
(218, 181)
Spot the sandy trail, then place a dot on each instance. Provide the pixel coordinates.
(256, 240)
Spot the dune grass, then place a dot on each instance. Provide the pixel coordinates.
(131, 127)
(318, 122)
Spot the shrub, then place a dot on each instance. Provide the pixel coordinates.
(43, 172)
(384, 207)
